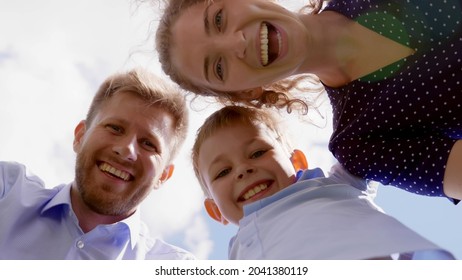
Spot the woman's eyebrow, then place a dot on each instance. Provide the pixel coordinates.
(206, 19)
(206, 68)
(207, 32)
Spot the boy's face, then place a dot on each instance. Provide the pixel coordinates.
(122, 154)
(241, 164)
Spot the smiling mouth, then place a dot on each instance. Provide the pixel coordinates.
(114, 172)
(270, 43)
(253, 191)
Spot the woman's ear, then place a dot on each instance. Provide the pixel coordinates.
(213, 211)
(250, 94)
(298, 160)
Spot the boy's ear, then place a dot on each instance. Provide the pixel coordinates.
(79, 131)
(298, 160)
(213, 211)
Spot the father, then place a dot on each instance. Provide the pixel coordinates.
(134, 128)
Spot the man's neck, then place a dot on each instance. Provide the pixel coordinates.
(89, 219)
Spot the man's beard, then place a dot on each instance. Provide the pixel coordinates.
(99, 201)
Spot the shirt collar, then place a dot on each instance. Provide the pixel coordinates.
(63, 198)
(306, 175)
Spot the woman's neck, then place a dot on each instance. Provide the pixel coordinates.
(331, 47)
(343, 50)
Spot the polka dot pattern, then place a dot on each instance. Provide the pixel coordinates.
(398, 124)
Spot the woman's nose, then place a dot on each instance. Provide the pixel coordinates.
(233, 43)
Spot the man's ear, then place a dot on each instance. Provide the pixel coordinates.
(213, 211)
(298, 160)
(167, 173)
(79, 131)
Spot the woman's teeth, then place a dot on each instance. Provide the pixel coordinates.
(264, 45)
(250, 193)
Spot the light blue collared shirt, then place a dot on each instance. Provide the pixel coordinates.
(39, 223)
(325, 218)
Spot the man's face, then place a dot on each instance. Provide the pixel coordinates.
(122, 154)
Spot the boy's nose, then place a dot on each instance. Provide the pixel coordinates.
(245, 172)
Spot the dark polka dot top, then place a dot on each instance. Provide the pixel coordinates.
(397, 125)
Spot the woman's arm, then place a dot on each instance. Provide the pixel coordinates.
(452, 184)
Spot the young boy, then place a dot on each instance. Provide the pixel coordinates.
(253, 179)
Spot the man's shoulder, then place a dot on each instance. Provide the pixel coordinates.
(162, 250)
(16, 175)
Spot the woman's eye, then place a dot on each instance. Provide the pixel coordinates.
(218, 20)
(219, 70)
(258, 154)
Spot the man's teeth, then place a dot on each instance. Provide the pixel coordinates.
(116, 172)
(250, 193)
(264, 44)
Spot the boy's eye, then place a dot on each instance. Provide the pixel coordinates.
(218, 20)
(219, 70)
(258, 154)
(223, 173)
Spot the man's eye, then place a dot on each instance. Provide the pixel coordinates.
(218, 20)
(149, 145)
(219, 70)
(115, 128)
(258, 154)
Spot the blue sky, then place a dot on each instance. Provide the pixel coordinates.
(54, 54)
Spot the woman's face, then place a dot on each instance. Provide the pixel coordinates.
(232, 45)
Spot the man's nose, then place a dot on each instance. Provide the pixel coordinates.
(126, 148)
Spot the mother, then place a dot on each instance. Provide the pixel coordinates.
(392, 71)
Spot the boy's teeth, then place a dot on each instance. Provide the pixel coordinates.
(112, 170)
(264, 44)
(250, 193)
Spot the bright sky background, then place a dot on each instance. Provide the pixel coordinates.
(53, 56)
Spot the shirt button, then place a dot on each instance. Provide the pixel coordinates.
(80, 244)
